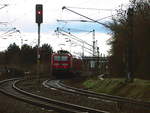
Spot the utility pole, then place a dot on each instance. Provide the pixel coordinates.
(93, 43)
(83, 50)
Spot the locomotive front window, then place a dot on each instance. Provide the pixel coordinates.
(60, 58)
(57, 58)
(64, 58)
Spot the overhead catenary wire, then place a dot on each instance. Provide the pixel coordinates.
(79, 44)
(68, 35)
(77, 39)
(93, 9)
(9, 31)
(81, 20)
(88, 20)
(74, 37)
(3, 6)
(3, 23)
(78, 30)
(64, 7)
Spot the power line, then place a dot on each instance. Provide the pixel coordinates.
(93, 9)
(3, 6)
(89, 20)
(68, 34)
(3, 23)
(84, 16)
(76, 38)
(81, 30)
(79, 41)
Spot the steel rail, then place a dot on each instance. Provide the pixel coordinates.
(106, 96)
(112, 98)
(35, 101)
(69, 107)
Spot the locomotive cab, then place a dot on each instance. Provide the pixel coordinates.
(61, 63)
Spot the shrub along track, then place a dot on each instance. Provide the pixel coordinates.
(41, 101)
(117, 103)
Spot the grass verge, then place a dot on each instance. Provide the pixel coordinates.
(139, 89)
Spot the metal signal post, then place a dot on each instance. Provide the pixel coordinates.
(38, 53)
(39, 20)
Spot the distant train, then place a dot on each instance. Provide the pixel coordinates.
(63, 63)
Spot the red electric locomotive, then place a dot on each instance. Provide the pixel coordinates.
(63, 63)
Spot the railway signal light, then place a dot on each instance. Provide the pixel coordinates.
(39, 13)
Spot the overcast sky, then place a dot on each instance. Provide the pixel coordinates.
(20, 14)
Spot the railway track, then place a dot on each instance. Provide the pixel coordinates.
(8, 87)
(108, 97)
(121, 103)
